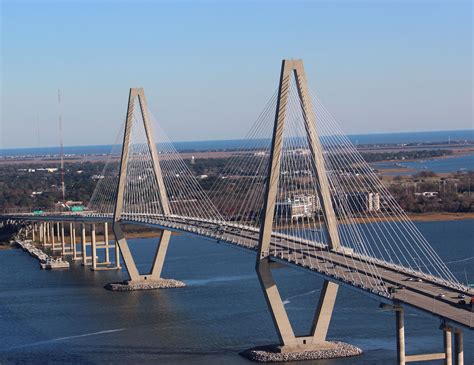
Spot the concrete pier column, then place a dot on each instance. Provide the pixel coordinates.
(47, 232)
(45, 237)
(94, 247)
(41, 231)
(70, 237)
(400, 336)
(458, 347)
(63, 241)
(448, 349)
(106, 242)
(58, 231)
(117, 256)
(83, 244)
(51, 234)
(74, 247)
(33, 228)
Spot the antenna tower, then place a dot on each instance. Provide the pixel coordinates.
(61, 147)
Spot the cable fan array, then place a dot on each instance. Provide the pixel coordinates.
(372, 227)
(141, 200)
(373, 230)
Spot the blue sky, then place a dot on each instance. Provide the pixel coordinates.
(208, 67)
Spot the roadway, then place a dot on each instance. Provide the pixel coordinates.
(418, 290)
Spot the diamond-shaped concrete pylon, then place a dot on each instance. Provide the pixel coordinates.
(317, 338)
(155, 274)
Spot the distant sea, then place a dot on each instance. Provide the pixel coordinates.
(357, 139)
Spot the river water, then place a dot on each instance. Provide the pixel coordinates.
(57, 317)
(461, 163)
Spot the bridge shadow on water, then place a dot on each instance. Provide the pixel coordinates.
(67, 316)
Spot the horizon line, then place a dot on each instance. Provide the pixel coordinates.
(238, 139)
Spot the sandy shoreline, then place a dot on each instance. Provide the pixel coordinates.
(440, 216)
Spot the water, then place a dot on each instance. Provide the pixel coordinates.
(438, 165)
(381, 138)
(67, 317)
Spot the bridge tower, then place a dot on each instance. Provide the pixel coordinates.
(158, 261)
(317, 338)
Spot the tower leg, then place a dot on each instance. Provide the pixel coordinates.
(160, 255)
(275, 305)
(137, 281)
(117, 255)
(288, 341)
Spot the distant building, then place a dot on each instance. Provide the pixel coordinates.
(357, 202)
(298, 207)
(49, 169)
(428, 194)
(373, 202)
(192, 160)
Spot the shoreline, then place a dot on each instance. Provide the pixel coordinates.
(422, 217)
(440, 216)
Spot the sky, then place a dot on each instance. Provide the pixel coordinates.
(209, 67)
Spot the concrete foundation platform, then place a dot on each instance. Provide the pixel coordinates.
(274, 353)
(145, 285)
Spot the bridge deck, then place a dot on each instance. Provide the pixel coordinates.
(413, 290)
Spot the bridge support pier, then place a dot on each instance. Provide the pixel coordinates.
(448, 345)
(130, 266)
(40, 233)
(400, 323)
(459, 347)
(33, 229)
(316, 340)
(84, 244)
(137, 281)
(403, 358)
(106, 243)
(75, 255)
(52, 237)
(68, 249)
(93, 247)
(47, 231)
(105, 265)
(63, 241)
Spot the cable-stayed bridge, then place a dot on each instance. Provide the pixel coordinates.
(297, 193)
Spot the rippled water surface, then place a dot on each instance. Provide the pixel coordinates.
(67, 317)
